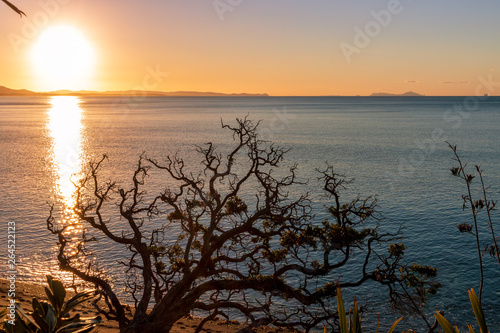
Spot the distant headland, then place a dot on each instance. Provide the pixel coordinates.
(406, 94)
(4, 91)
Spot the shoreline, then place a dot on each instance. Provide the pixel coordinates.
(26, 291)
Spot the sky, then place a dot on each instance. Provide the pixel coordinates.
(279, 47)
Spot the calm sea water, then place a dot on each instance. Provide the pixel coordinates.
(393, 147)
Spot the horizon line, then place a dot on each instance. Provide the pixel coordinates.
(194, 93)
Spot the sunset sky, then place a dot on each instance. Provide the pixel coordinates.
(280, 47)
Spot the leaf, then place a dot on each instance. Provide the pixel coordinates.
(471, 330)
(20, 327)
(59, 293)
(51, 319)
(394, 325)
(40, 321)
(478, 311)
(20, 312)
(341, 309)
(50, 296)
(445, 324)
(355, 318)
(37, 306)
(82, 326)
(76, 300)
(77, 324)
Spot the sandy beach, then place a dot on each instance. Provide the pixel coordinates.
(25, 292)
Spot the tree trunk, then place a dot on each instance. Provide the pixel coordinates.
(160, 320)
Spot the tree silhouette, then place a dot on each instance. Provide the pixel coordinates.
(231, 238)
(17, 10)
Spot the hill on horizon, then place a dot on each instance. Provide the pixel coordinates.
(406, 94)
(4, 91)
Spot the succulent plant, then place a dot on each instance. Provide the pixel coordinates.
(53, 316)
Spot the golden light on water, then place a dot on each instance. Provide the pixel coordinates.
(65, 125)
(65, 128)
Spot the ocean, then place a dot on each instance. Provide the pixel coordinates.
(394, 148)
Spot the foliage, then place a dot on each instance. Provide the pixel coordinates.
(14, 8)
(53, 316)
(354, 324)
(478, 312)
(231, 237)
(476, 205)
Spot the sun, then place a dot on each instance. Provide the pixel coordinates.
(63, 58)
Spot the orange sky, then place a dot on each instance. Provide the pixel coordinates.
(281, 47)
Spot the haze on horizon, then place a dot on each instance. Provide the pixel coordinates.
(283, 47)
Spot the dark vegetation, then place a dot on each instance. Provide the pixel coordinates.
(206, 245)
(53, 316)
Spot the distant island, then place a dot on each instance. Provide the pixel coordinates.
(4, 91)
(406, 94)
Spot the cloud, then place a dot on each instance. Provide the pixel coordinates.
(456, 82)
(412, 81)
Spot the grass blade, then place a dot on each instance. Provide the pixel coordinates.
(445, 324)
(478, 311)
(341, 309)
(394, 325)
(355, 318)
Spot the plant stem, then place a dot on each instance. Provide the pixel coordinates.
(490, 223)
(416, 306)
(465, 177)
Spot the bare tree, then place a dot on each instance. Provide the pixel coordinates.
(17, 10)
(231, 238)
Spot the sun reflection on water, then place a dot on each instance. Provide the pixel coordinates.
(65, 127)
(65, 124)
